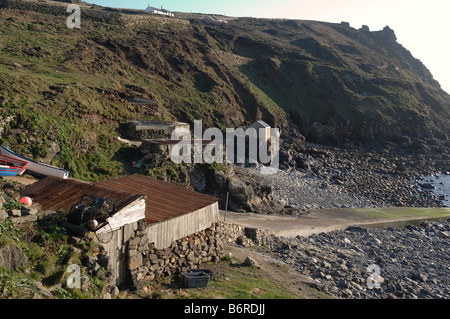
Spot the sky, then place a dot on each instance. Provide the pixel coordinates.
(422, 27)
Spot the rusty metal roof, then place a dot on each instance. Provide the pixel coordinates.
(164, 200)
(54, 193)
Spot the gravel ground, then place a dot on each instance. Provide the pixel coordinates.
(308, 191)
(408, 263)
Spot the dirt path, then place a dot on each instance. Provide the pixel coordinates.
(20, 179)
(279, 272)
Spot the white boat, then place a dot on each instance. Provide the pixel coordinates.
(33, 166)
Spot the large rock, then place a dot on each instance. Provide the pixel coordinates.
(2, 199)
(3, 215)
(253, 193)
(12, 256)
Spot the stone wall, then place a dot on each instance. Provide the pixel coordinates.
(233, 234)
(145, 263)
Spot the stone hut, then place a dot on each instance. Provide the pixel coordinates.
(261, 125)
(147, 129)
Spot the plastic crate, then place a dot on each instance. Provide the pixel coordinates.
(208, 272)
(197, 279)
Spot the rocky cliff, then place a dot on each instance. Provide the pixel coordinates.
(336, 83)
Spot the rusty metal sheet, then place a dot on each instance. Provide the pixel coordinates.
(164, 200)
(54, 193)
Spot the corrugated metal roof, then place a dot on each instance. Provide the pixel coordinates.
(164, 200)
(54, 193)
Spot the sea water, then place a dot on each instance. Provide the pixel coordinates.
(441, 183)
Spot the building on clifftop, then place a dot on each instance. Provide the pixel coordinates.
(161, 11)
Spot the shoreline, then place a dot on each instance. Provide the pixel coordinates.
(410, 252)
(412, 257)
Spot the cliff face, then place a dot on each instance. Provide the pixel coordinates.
(67, 89)
(337, 83)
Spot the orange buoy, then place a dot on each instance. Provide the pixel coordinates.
(26, 200)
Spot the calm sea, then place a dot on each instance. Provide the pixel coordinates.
(441, 184)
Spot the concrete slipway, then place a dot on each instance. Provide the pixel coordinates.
(326, 220)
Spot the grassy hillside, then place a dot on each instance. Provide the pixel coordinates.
(67, 88)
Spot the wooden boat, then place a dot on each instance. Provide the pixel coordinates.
(33, 166)
(12, 166)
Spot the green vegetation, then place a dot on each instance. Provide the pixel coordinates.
(244, 283)
(66, 88)
(49, 254)
(231, 281)
(403, 212)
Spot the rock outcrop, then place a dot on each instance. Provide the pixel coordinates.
(11, 256)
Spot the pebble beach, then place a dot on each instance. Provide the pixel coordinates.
(390, 263)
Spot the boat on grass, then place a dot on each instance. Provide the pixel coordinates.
(33, 166)
(10, 166)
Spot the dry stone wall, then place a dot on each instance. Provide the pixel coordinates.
(244, 236)
(145, 263)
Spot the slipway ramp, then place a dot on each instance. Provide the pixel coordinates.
(36, 167)
(328, 220)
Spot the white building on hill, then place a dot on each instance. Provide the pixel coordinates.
(161, 11)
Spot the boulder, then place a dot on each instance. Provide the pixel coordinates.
(3, 215)
(419, 276)
(32, 210)
(250, 262)
(356, 229)
(253, 194)
(134, 259)
(427, 185)
(11, 256)
(15, 213)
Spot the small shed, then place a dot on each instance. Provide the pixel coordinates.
(54, 193)
(261, 124)
(145, 129)
(170, 212)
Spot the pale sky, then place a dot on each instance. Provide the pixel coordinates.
(420, 26)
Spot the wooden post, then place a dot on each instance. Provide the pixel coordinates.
(226, 208)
